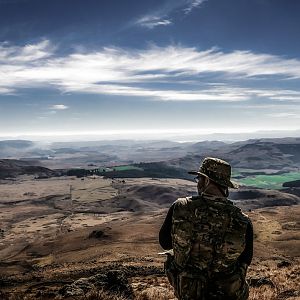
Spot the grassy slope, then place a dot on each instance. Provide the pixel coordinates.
(269, 181)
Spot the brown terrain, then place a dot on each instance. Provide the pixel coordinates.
(97, 238)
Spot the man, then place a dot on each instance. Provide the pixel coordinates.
(210, 240)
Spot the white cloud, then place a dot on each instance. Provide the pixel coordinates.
(166, 95)
(136, 73)
(28, 53)
(284, 115)
(59, 107)
(170, 10)
(153, 21)
(192, 5)
(7, 91)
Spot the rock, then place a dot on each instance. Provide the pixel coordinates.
(288, 294)
(97, 234)
(259, 281)
(284, 263)
(77, 288)
(114, 281)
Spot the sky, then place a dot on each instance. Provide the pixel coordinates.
(152, 67)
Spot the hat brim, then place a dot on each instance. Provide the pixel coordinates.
(230, 184)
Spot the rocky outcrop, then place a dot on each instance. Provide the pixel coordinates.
(113, 281)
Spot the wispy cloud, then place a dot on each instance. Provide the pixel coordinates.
(51, 111)
(192, 5)
(177, 71)
(153, 21)
(27, 53)
(59, 107)
(166, 14)
(284, 115)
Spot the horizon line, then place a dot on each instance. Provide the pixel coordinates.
(141, 134)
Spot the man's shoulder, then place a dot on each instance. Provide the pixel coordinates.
(238, 211)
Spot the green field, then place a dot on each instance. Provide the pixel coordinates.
(269, 181)
(127, 168)
(120, 168)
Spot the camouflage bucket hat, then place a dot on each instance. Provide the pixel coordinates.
(217, 170)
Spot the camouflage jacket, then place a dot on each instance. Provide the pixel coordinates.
(185, 230)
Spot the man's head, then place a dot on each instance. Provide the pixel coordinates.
(214, 172)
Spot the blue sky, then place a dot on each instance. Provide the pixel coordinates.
(101, 67)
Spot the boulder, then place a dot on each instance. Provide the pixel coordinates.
(259, 281)
(77, 288)
(112, 281)
(97, 234)
(284, 263)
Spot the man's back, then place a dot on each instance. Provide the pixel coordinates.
(208, 233)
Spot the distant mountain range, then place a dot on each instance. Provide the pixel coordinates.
(260, 154)
(280, 154)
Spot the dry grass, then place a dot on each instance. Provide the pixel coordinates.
(93, 295)
(276, 284)
(18, 296)
(152, 293)
(284, 283)
(280, 283)
(102, 295)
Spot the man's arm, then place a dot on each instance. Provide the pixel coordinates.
(247, 254)
(165, 236)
